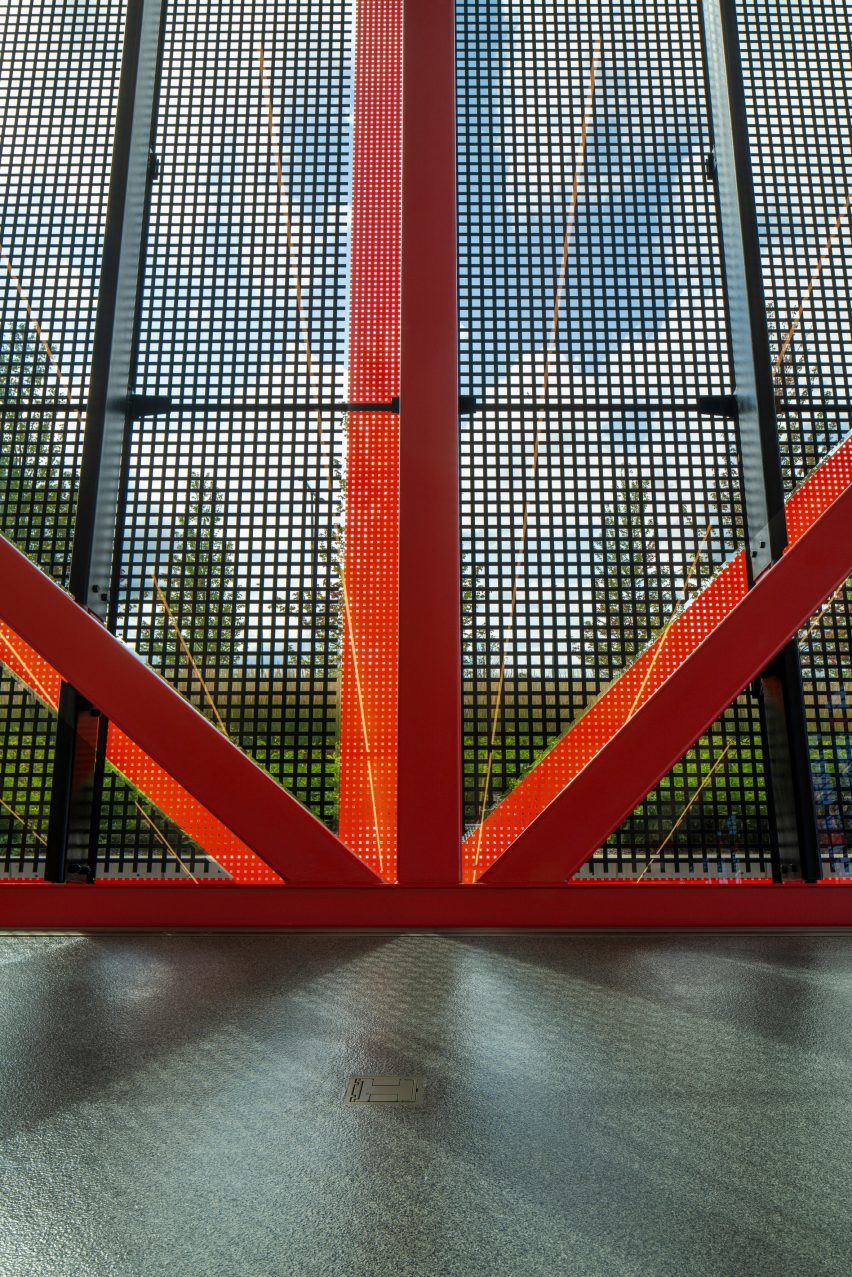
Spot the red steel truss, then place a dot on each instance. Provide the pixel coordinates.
(651, 671)
(400, 808)
(430, 641)
(650, 742)
(585, 743)
(200, 761)
(137, 767)
(169, 730)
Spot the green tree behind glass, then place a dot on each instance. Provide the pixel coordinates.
(304, 756)
(312, 609)
(36, 514)
(36, 482)
(632, 595)
(199, 581)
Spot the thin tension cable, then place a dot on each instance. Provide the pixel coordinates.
(549, 353)
(309, 359)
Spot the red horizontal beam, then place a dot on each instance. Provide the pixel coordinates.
(588, 904)
(209, 766)
(650, 743)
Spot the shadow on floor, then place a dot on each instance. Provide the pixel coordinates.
(606, 1104)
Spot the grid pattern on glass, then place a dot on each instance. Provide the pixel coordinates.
(233, 521)
(799, 95)
(135, 839)
(706, 818)
(26, 759)
(59, 70)
(591, 316)
(232, 588)
(595, 594)
(796, 68)
(826, 653)
(368, 689)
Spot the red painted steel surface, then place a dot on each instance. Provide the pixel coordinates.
(137, 767)
(601, 766)
(430, 824)
(725, 903)
(28, 667)
(176, 802)
(166, 727)
(368, 709)
(816, 493)
(603, 720)
(645, 747)
(833, 476)
(597, 727)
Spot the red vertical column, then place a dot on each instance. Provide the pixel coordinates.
(368, 726)
(430, 647)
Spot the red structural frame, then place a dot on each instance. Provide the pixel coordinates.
(590, 734)
(648, 744)
(430, 815)
(237, 793)
(170, 730)
(186, 765)
(582, 905)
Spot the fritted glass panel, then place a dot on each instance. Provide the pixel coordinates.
(137, 841)
(826, 653)
(59, 71)
(26, 757)
(233, 527)
(799, 95)
(707, 818)
(595, 496)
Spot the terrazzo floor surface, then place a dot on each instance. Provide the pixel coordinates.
(593, 1105)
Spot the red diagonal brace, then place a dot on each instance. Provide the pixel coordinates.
(268, 819)
(593, 730)
(583, 815)
(133, 765)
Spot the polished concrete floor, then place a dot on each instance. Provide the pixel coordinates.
(601, 1105)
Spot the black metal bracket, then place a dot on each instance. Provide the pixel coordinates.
(392, 406)
(467, 405)
(147, 406)
(719, 406)
(75, 806)
(783, 705)
(81, 869)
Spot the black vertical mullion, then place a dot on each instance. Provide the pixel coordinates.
(784, 730)
(81, 732)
